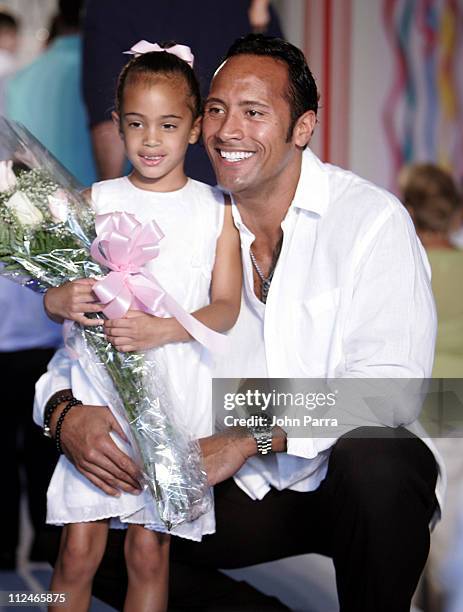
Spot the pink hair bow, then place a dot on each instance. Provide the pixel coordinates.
(181, 51)
(124, 245)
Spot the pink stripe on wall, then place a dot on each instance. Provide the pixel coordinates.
(327, 45)
(341, 83)
(327, 84)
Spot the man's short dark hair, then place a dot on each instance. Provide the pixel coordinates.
(302, 94)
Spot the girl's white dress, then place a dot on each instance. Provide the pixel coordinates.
(191, 219)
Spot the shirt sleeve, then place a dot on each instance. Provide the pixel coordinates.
(56, 378)
(391, 326)
(389, 335)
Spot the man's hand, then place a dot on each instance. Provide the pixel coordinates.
(87, 444)
(138, 331)
(71, 301)
(225, 453)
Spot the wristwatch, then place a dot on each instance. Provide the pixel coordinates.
(262, 434)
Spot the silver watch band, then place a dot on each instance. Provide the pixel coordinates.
(263, 436)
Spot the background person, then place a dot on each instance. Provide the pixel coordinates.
(46, 97)
(27, 343)
(9, 41)
(435, 205)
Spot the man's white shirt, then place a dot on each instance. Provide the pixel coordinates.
(350, 298)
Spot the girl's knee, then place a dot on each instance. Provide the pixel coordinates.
(146, 552)
(80, 553)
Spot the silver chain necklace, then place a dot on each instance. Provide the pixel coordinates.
(265, 281)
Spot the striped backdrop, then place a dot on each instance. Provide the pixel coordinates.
(412, 106)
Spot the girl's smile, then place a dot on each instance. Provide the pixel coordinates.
(150, 160)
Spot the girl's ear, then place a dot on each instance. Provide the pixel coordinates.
(304, 128)
(117, 122)
(195, 132)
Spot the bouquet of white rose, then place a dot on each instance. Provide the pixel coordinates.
(46, 233)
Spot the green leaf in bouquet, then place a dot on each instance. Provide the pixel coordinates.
(44, 241)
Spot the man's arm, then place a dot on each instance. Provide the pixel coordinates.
(86, 442)
(56, 378)
(85, 434)
(391, 326)
(390, 334)
(226, 452)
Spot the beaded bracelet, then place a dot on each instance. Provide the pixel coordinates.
(59, 423)
(51, 406)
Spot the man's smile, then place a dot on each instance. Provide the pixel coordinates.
(235, 156)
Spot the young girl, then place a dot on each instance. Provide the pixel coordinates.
(158, 114)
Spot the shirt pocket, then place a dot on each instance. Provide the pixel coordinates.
(315, 320)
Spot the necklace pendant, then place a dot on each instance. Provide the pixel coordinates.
(265, 290)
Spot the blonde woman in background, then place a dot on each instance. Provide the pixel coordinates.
(435, 205)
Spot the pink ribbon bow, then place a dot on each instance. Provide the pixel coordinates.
(124, 245)
(181, 51)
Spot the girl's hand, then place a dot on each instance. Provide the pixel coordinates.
(139, 331)
(71, 301)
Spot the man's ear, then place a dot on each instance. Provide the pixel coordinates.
(117, 122)
(195, 131)
(304, 128)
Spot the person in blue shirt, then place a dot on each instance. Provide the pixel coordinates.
(45, 97)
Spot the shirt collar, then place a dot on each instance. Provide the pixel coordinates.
(312, 193)
(238, 220)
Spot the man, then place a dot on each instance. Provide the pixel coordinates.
(335, 285)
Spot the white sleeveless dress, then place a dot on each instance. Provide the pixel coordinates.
(191, 219)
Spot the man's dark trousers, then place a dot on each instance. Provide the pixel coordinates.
(371, 515)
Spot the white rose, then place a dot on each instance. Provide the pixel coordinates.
(58, 205)
(7, 176)
(24, 210)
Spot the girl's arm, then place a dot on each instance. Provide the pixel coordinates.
(139, 331)
(221, 314)
(73, 299)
